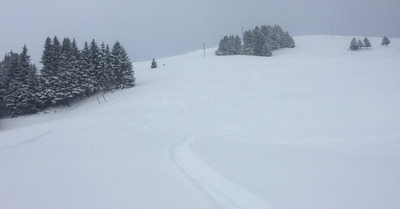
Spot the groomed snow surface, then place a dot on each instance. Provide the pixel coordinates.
(314, 127)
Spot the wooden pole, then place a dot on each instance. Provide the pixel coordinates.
(204, 49)
(104, 99)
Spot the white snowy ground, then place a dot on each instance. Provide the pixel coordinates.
(315, 127)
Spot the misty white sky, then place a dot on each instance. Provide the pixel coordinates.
(159, 28)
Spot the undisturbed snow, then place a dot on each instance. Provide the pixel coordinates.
(317, 126)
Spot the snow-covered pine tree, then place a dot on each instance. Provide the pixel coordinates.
(360, 43)
(46, 61)
(223, 47)
(367, 43)
(248, 43)
(51, 59)
(3, 88)
(385, 41)
(288, 41)
(121, 67)
(230, 46)
(153, 64)
(267, 48)
(128, 75)
(278, 37)
(237, 48)
(354, 45)
(78, 78)
(7, 71)
(65, 75)
(11, 62)
(94, 69)
(47, 72)
(84, 64)
(259, 40)
(105, 68)
(20, 98)
(28, 84)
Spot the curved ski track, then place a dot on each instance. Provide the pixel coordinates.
(225, 193)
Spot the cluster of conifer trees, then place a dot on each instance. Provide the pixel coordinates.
(260, 41)
(356, 45)
(67, 74)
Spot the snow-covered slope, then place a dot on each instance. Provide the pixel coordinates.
(317, 126)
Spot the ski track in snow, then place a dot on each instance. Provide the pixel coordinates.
(225, 193)
(25, 142)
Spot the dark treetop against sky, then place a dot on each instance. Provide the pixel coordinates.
(159, 28)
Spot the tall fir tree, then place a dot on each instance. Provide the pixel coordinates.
(122, 67)
(385, 41)
(354, 45)
(77, 74)
(95, 68)
(21, 89)
(367, 43)
(105, 75)
(248, 43)
(153, 64)
(259, 41)
(84, 65)
(3, 88)
(360, 43)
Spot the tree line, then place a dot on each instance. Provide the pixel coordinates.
(260, 41)
(67, 74)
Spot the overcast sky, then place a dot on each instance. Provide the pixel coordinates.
(159, 28)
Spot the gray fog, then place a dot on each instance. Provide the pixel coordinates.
(158, 28)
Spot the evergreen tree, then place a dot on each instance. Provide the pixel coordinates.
(77, 75)
(267, 48)
(51, 59)
(122, 67)
(259, 41)
(367, 43)
(3, 88)
(47, 71)
(153, 64)
(360, 43)
(385, 41)
(95, 67)
(223, 47)
(248, 43)
(64, 91)
(288, 41)
(20, 87)
(354, 45)
(278, 37)
(11, 62)
(84, 64)
(237, 46)
(105, 68)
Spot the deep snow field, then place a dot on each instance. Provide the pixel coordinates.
(314, 127)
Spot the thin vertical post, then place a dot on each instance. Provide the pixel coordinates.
(204, 49)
